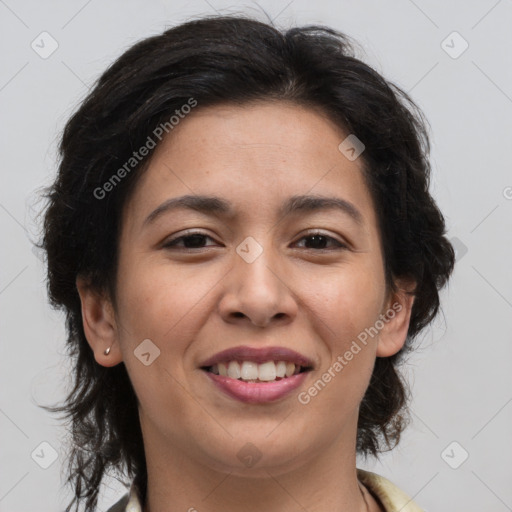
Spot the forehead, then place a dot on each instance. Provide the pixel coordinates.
(256, 156)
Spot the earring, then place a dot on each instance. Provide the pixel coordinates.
(107, 351)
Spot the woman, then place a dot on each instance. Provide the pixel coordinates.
(243, 240)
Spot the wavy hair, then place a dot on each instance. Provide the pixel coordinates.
(235, 60)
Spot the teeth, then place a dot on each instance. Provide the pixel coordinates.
(290, 369)
(281, 369)
(253, 372)
(234, 370)
(267, 371)
(249, 371)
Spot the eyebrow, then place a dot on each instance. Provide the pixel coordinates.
(218, 207)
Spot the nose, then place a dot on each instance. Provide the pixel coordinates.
(259, 292)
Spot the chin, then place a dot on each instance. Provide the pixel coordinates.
(258, 456)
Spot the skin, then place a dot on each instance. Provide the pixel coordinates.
(193, 303)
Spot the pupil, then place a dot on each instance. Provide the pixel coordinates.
(195, 238)
(318, 239)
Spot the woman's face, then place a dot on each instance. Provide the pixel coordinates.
(254, 276)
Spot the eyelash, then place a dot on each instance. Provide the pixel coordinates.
(172, 243)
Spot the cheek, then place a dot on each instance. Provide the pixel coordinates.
(162, 303)
(349, 301)
(162, 306)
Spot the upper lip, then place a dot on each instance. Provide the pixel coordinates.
(258, 355)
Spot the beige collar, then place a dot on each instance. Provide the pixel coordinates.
(391, 497)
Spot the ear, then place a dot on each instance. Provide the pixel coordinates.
(99, 324)
(396, 316)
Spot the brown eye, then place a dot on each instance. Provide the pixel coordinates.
(320, 240)
(190, 241)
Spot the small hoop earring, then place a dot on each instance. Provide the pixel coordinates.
(107, 351)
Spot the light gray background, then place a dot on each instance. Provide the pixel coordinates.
(460, 376)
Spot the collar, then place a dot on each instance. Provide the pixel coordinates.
(391, 497)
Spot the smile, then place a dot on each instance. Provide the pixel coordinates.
(253, 383)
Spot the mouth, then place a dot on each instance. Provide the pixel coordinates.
(257, 364)
(257, 375)
(256, 390)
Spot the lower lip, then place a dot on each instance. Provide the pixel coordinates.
(257, 392)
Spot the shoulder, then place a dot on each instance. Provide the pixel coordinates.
(391, 497)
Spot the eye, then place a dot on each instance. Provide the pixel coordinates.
(318, 241)
(193, 240)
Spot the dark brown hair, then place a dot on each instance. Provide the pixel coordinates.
(218, 60)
